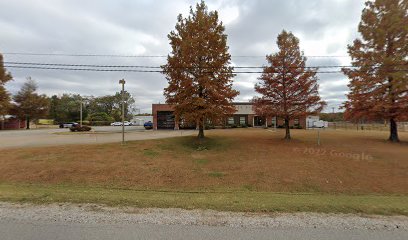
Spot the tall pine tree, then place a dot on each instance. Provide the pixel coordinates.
(288, 89)
(29, 104)
(198, 69)
(379, 77)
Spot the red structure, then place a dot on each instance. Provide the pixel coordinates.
(163, 118)
(12, 123)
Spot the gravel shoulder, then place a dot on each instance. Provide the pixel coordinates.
(99, 214)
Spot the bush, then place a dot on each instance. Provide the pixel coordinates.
(249, 125)
(100, 123)
(208, 127)
(100, 119)
(78, 128)
(233, 126)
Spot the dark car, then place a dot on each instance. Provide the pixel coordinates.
(148, 125)
(68, 124)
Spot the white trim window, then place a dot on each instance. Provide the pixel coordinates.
(241, 120)
(273, 121)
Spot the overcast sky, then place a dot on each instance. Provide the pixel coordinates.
(140, 27)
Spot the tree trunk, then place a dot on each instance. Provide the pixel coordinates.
(27, 122)
(393, 131)
(200, 129)
(287, 136)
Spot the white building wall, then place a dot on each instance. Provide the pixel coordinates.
(244, 109)
(140, 120)
(310, 121)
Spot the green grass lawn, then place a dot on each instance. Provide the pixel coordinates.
(233, 170)
(248, 201)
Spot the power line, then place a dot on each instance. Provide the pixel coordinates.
(143, 66)
(122, 70)
(148, 71)
(159, 67)
(145, 56)
(83, 69)
(84, 55)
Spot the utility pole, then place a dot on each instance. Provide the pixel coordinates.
(122, 81)
(276, 122)
(80, 114)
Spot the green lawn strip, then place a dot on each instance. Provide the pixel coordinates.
(247, 201)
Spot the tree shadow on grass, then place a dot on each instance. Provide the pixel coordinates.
(192, 143)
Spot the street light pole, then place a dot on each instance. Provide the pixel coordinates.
(80, 115)
(122, 81)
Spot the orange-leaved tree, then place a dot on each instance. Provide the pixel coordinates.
(288, 89)
(4, 95)
(198, 69)
(379, 76)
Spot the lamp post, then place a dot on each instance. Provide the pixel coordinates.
(80, 114)
(122, 81)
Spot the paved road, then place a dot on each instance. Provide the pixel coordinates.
(61, 231)
(53, 137)
(92, 221)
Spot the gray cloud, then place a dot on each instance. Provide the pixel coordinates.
(141, 28)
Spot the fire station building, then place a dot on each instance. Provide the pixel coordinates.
(163, 118)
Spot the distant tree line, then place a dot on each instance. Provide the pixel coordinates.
(65, 108)
(332, 117)
(28, 105)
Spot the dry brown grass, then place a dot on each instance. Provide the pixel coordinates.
(252, 159)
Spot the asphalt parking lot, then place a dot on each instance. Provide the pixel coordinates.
(100, 134)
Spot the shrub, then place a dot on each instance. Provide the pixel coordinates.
(233, 126)
(208, 126)
(100, 119)
(78, 128)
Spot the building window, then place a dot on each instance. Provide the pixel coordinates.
(241, 120)
(273, 121)
(230, 121)
(296, 122)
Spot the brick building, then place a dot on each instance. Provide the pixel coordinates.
(163, 117)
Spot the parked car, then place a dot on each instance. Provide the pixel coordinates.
(116, 124)
(320, 124)
(148, 125)
(68, 124)
(126, 123)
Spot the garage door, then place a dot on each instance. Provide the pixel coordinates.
(165, 120)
